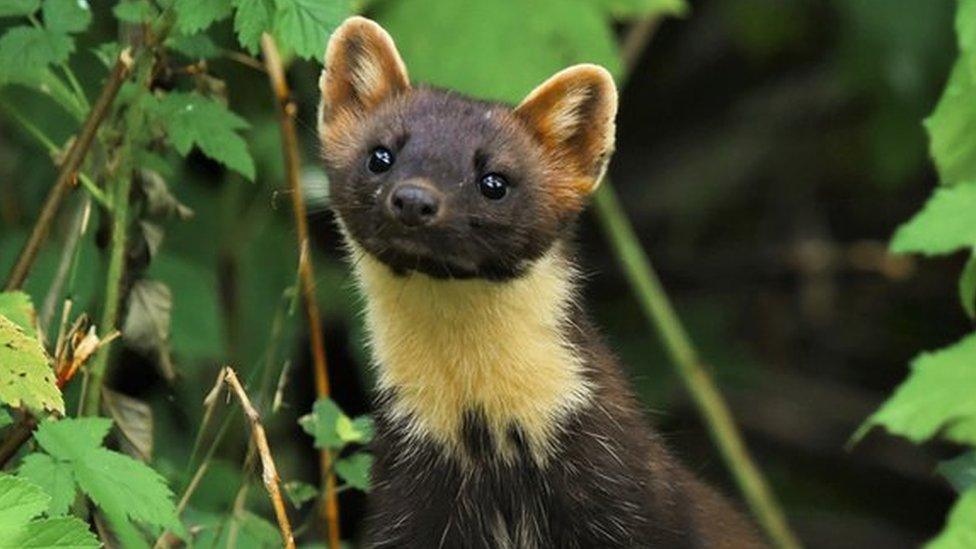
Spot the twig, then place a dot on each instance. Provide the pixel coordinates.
(18, 436)
(244, 59)
(68, 257)
(289, 142)
(270, 473)
(657, 307)
(68, 172)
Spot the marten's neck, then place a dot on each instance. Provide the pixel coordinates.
(451, 350)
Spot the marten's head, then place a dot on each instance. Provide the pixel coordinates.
(428, 180)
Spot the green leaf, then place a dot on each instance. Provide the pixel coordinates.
(509, 46)
(121, 486)
(943, 226)
(365, 429)
(5, 418)
(960, 471)
(252, 18)
(300, 492)
(125, 489)
(967, 286)
(20, 501)
(70, 439)
(193, 120)
(134, 11)
(644, 8)
(953, 123)
(14, 8)
(26, 378)
(324, 424)
(304, 26)
(197, 15)
(17, 307)
(960, 528)
(53, 533)
(196, 46)
(54, 477)
(67, 15)
(355, 470)
(107, 53)
(26, 52)
(936, 398)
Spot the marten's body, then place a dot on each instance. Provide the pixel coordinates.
(502, 420)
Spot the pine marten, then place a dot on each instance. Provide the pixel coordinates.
(502, 419)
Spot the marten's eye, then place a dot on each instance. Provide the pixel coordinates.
(380, 160)
(493, 186)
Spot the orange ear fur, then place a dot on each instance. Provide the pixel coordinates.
(362, 69)
(572, 115)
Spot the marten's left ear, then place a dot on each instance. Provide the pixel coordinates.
(572, 115)
(362, 69)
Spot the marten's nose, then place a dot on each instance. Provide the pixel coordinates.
(414, 204)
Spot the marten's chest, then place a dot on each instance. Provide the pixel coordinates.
(450, 350)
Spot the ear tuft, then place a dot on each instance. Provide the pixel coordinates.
(572, 115)
(362, 69)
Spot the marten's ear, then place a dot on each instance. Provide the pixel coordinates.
(572, 115)
(362, 68)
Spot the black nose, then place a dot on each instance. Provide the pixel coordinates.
(414, 205)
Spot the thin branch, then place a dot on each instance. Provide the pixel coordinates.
(657, 307)
(69, 257)
(269, 472)
(69, 170)
(289, 139)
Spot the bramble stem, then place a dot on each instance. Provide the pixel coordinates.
(113, 285)
(68, 172)
(289, 143)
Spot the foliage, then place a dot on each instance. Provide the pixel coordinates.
(25, 369)
(936, 399)
(490, 32)
(20, 502)
(334, 430)
(127, 491)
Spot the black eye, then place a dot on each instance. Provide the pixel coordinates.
(380, 160)
(493, 186)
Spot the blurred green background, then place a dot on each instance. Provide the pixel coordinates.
(766, 151)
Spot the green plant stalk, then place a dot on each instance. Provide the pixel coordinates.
(712, 407)
(113, 286)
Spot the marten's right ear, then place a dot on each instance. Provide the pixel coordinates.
(572, 115)
(362, 69)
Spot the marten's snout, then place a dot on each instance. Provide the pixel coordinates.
(414, 203)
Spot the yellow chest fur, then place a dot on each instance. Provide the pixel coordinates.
(447, 347)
